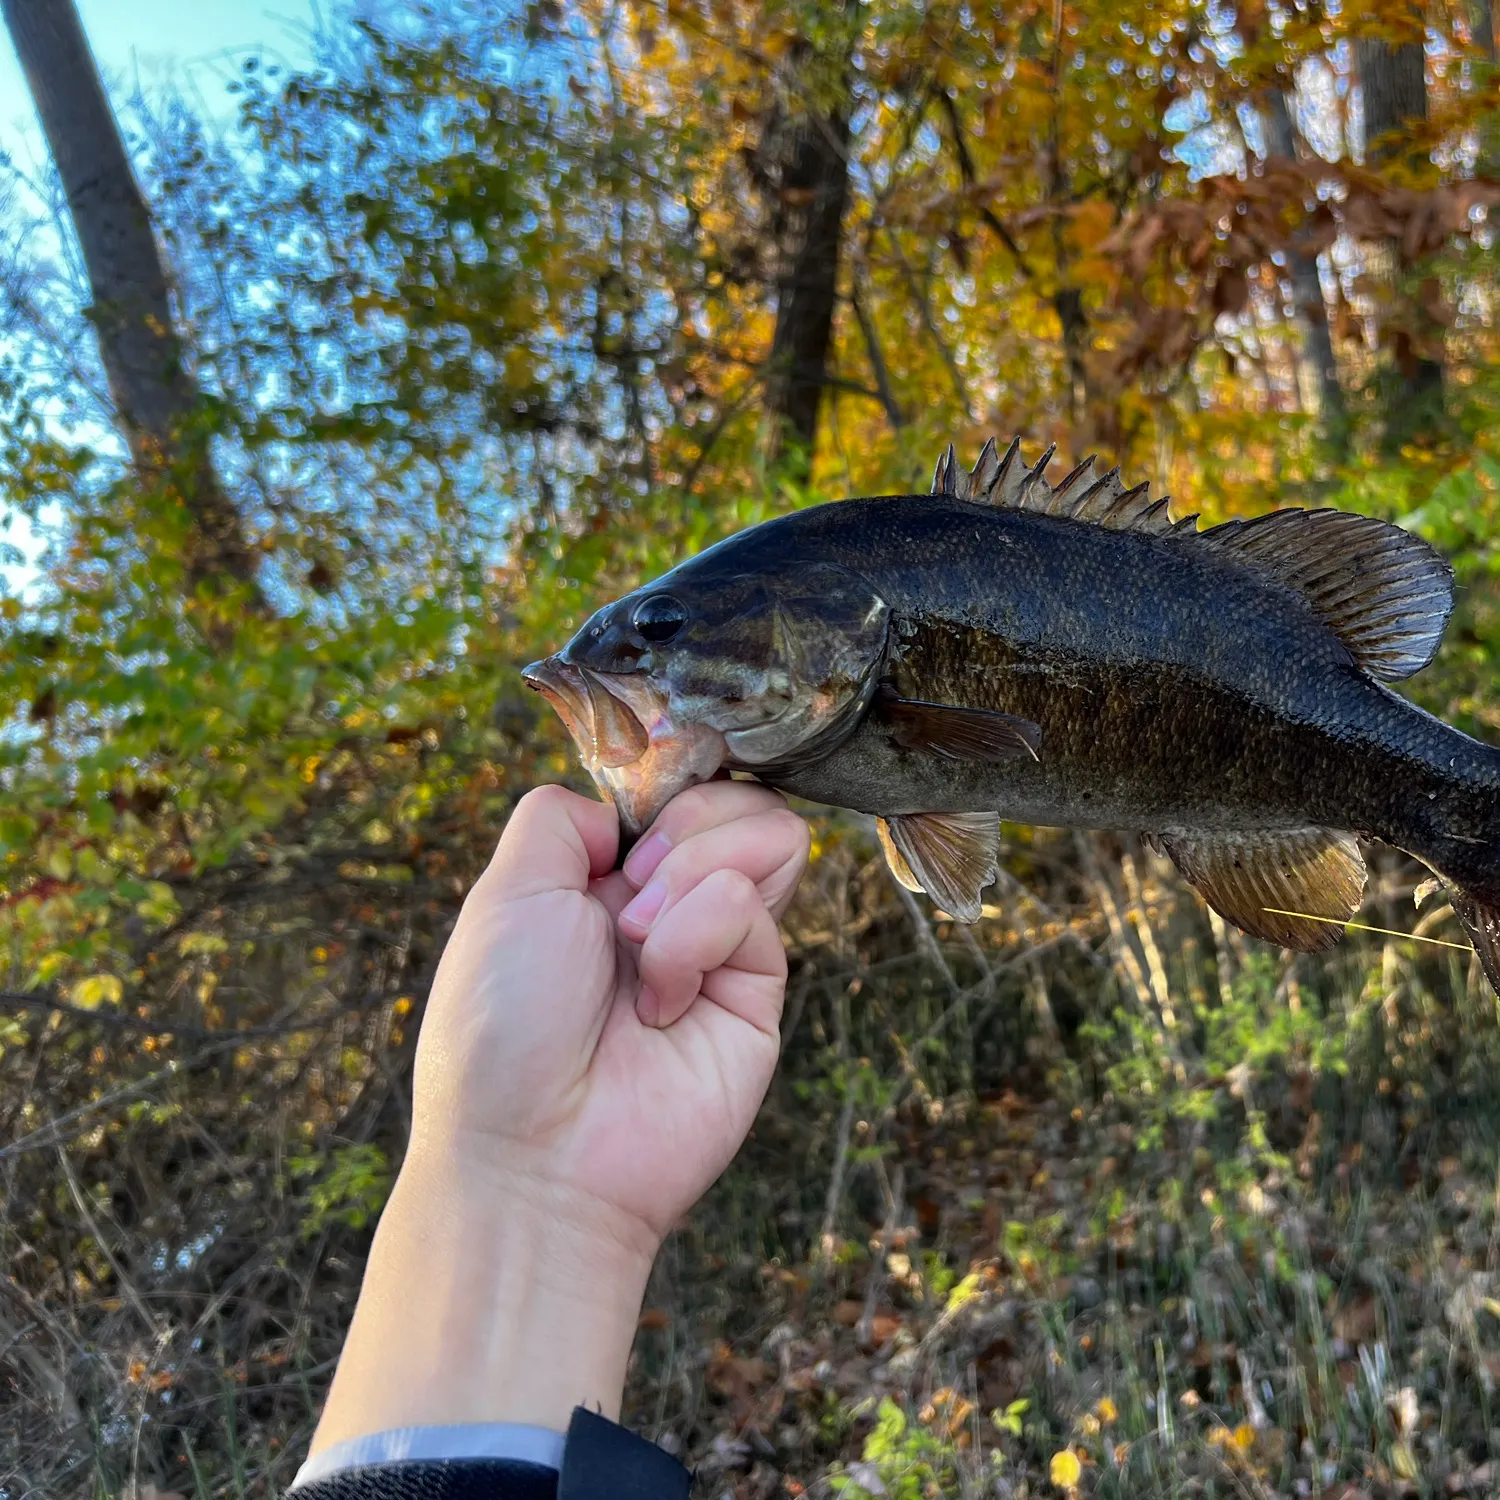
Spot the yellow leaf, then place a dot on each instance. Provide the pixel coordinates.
(1404, 1461)
(97, 990)
(50, 967)
(1092, 222)
(965, 1291)
(1065, 1470)
(201, 944)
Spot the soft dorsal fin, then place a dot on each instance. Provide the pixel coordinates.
(1383, 591)
(1084, 495)
(1295, 887)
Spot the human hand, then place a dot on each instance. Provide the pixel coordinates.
(600, 1040)
(594, 1050)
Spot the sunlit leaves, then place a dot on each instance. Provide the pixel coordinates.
(97, 990)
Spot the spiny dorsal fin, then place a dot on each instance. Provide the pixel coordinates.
(1385, 592)
(951, 856)
(1082, 496)
(946, 477)
(1254, 879)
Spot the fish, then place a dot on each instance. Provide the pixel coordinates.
(1062, 655)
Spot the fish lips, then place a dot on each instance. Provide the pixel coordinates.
(603, 727)
(620, 722)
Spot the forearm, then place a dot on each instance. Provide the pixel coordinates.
(483, 1306)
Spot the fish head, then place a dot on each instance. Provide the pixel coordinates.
(715, 668)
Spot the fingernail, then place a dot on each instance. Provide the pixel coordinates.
(643, 908)
(640, 864)
(648, 1007)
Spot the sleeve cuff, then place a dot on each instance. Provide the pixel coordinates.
(508, 1440)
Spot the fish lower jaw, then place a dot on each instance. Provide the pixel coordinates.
(672, 763)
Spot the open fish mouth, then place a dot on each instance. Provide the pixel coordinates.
(638, 756)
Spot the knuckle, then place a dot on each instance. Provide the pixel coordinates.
(737, 889)
(541, 800)
(688, 810)
(776, 963)
(795, 827)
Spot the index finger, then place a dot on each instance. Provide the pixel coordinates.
(708, 805)
(555, 840)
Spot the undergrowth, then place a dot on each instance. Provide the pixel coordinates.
(1096, 1197)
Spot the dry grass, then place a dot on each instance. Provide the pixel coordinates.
(1097, 1179)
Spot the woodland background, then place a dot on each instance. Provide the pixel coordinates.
(332, 419)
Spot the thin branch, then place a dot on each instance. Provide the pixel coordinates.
(852, 388)
(887, 396)
(929, 322)
(966, 170)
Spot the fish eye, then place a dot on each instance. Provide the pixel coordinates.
(659, 618)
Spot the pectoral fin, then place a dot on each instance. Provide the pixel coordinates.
(951, 856)
(957, 733)
(1255, 879)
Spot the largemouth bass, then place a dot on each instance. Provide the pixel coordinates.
(1068, 656)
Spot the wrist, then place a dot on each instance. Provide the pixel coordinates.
(487, 1300)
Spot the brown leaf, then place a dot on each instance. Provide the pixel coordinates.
(1356, 1323)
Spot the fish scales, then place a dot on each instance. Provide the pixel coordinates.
(1172, 689)
(1065, 656)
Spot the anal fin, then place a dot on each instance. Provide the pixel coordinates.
(1481, 924)
(958, 733)
(950, 856)
(1256, 879)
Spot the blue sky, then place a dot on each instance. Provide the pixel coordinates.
(195, 40)
(195, 44)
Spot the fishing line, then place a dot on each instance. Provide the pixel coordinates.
(1413, 937)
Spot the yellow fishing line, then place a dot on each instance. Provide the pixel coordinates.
(1307, 916)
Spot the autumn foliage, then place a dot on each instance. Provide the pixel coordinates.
(501, 309)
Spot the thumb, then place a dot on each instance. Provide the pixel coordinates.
(555, 840)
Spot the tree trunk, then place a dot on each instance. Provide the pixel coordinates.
(1307, 285)
(1393, 82)
(811, 187)
(1484, 27)
(1482, 19)
(155, 395)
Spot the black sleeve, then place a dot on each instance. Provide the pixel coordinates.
(601, 1461)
